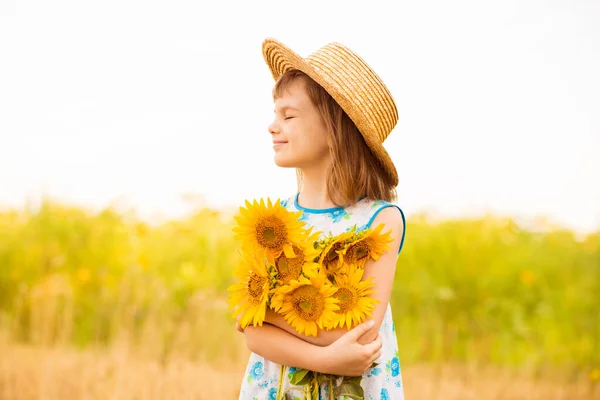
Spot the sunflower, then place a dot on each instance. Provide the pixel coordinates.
(267, 229)
(249, 296)
(367, 244)
(331, 259)
(306, 304)
(354, 301)
(289, 268)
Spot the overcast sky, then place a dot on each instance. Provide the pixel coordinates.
(140, 102)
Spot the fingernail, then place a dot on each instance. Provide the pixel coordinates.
(370, 323)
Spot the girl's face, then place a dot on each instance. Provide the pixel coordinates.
(300, 137)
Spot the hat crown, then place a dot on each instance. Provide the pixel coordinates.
(369, 103)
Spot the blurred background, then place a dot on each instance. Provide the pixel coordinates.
(131, 131)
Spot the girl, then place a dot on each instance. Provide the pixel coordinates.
(332, 113)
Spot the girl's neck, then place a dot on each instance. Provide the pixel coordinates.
(314, 189)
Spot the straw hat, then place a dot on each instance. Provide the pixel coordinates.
(351, 83)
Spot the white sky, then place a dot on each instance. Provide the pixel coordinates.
(143, 101)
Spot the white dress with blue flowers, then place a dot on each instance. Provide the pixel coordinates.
(380, 383)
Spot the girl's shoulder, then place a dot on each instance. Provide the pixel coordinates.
(374, 207)
(337, 220)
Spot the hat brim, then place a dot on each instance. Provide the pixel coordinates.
(280, 59)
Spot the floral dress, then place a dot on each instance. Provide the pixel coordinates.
(380, 383)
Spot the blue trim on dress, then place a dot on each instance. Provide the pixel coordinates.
(386, 205)
(315, 210)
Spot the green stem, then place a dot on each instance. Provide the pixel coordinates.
(280, 384)
(315, 389)
(330, 387)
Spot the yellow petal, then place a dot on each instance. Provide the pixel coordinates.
(288, 251)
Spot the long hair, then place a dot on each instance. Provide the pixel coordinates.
(354, 172)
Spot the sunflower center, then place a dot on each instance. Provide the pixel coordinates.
(290, 268)
(347, 300)
(358, 251)
(308, 302)
(256, 285)
(271, 232)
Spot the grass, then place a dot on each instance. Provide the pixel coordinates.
(105, 305)
(118, 373)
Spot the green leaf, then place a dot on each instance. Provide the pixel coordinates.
(350, 389)
(299, 376)
(305, 380)
(355, 379)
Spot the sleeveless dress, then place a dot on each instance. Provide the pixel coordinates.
(384, 382)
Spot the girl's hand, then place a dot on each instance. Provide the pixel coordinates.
(346, 356)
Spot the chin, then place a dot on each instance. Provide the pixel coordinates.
(284, 162)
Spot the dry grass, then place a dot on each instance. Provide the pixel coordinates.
(155, 295)
(37, 373)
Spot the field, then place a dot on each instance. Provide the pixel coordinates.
(101, 305)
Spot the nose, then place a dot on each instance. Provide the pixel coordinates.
(274, 128)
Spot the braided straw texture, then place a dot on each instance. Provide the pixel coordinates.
(351, 83)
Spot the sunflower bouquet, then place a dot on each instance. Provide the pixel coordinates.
(314, 281)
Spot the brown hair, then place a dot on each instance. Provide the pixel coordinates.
(355, 172)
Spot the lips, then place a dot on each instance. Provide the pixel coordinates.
(279, 141)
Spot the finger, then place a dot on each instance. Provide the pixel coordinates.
(355, 333)
(374, 346)
(377, 343)
(374, 358)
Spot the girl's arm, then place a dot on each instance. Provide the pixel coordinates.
(343, 357)
(382, 271)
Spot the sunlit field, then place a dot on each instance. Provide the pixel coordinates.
(101, 305)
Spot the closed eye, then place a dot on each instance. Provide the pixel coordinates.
(288, 118)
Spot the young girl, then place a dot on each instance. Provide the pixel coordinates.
(332, 113)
